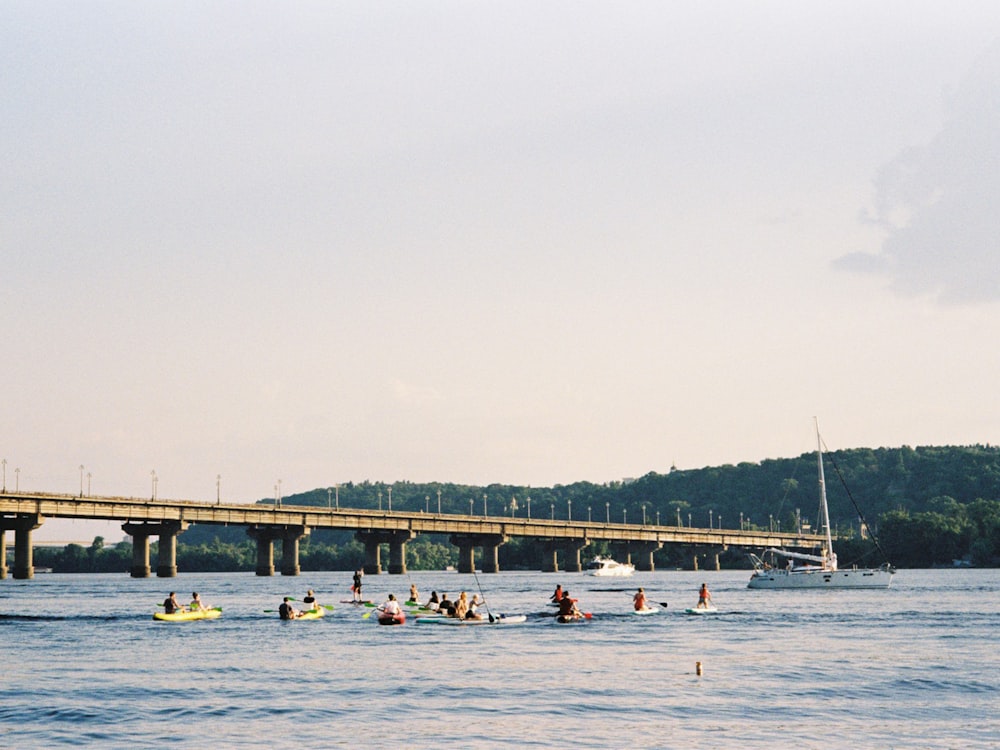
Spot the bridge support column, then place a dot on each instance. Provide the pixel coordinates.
(166, 561)
(573, 563)
(22, 524)
(467, 544)
(644, 556)
(290, 549)
(718, 566)
(264, 536)
(373, 541)
(140, 556)
(695, 560)
(551, 564)
(3, 553)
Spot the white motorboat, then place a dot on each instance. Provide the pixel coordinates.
(803, 571)
(605, 566)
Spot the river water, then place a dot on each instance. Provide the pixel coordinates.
(917, 666)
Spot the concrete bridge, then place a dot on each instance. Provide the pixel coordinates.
(22, 513)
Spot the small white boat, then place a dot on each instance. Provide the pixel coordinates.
(605, 566)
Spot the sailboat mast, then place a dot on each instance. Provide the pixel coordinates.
(822, 494)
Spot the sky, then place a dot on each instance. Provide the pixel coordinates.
(244, 243)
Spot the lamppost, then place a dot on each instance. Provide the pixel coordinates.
(741, 520)
(644, 514)
(513, 507)
(4, 462)
(770, 521)
(218, 489)
(470, 506)
(336, 495)
(427, 503)
(720, 521)
(657, 518)
(624, 515)
(569, 509)
(607, 512)
(528, 498)
(553, 511)
(589, 509)
(689, 520)
(81, 480)
(390, 499)
(152, 475)
(88, 482)
(679, 524)
(484, 506)
(710, 519)
(380, 499)
(278, 490)
(439, 502)
(17, 480)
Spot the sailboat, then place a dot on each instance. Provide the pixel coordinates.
(804, 571)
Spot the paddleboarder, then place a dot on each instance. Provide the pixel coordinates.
(557, 595)
(639, 600)
(568, 609)
(414, 594)
(356, 588)
(704, 597)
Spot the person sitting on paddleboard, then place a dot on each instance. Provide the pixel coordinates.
(433, 602)
(391, 607)
(310, 600)
(704, 597)
(446, 605)
(473, 612)
(414, 594)
(557, 596)
(356, 588)
(171, 605)
(567, 607)
(196, 603)
(462, 606)
(287, 611)
(639, 600)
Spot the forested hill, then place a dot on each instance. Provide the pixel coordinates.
(928, 504)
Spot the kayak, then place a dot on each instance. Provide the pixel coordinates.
(701, 610)
(397, 619)
(311, 614)
(485, 620)
(201, 614)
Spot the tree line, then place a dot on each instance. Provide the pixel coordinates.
(928, 506)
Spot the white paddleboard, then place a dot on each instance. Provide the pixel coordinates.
(701, 610)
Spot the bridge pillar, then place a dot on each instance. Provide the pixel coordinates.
(467, 544)
(373, 541)
(22, 524)
(551, 564)
(397, 551)
(140, 556)
(695, 561)
(166, 561)
(3, 553)
(645, 556)
(264, 536)
(290, 549)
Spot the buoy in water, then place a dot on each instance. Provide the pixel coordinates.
(697, 668)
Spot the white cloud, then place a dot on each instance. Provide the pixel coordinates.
(938, 203)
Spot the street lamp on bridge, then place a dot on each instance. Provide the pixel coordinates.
(607, 512)
(528, 499)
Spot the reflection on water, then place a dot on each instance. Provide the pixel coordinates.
(84, 663)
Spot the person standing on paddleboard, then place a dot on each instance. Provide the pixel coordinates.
(704, 597)
(356, 588)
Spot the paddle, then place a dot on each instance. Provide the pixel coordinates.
(327, 607)
(492, 618)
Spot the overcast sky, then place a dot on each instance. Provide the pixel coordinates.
(530, 243)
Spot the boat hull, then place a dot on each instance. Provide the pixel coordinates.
(821, 579)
